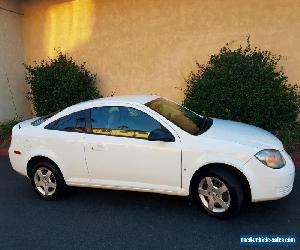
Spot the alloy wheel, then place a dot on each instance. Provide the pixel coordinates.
(45, 181)
(214, 194)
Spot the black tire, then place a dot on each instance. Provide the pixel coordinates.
(56, 178)
(233, 185)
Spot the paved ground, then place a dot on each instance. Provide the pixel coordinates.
(103, 219)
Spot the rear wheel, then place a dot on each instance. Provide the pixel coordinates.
(218, 192)
(47, 180)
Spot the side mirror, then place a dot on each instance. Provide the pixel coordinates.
(161, 135)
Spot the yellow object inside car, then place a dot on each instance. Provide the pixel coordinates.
(119, 132)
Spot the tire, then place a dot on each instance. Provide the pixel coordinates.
(221, 203)
(47, 181)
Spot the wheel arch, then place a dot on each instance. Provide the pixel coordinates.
(40, 158)
(239, 174)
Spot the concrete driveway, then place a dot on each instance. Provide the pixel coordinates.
(104, 219)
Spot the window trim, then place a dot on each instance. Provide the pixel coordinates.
(88, 125)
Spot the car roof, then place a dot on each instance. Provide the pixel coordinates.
(129, 99)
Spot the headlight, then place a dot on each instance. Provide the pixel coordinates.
(271, 158)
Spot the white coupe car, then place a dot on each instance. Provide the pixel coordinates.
(150, 144)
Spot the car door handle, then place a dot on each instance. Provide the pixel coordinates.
(99, 147)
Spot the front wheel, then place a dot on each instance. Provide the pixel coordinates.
(218, 192)
(47, 180)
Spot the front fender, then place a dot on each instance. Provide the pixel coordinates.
(189, 169)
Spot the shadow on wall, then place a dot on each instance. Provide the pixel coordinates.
(68, 23)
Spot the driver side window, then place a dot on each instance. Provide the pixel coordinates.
(122, 121)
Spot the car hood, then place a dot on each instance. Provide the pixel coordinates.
(242, 133)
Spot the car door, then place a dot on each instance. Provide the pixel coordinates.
(119, 154)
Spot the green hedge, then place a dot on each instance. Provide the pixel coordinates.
(244, 84)
(6, 130)
(58, 83)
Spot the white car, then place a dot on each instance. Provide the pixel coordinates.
(150, 144)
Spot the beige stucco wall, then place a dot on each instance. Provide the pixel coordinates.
(150, 46)
(12, 84)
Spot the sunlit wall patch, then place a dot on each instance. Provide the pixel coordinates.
(68, 24)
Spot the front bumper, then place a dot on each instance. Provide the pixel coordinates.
(267, 183)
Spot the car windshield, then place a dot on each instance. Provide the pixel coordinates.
(179, 115)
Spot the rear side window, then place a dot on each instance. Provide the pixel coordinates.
(74, 122)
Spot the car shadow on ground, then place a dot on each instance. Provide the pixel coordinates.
(176, 204)
(106, 219)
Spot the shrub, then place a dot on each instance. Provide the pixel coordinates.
(58, 83)
(6, 129)
(245, 85)
(290, 137)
